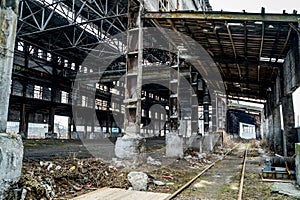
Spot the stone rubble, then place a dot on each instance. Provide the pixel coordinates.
(152, 161)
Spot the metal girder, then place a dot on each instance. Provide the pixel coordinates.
(250, 62)
(69, 24)
(42, 12)
(246, 99)
(228, 16)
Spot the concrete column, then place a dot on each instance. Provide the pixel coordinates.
(107, 123)
(194, 117)
(51, 120)
(26, 124)
(11, 154)
(206, 102)
(277, 131)
(214, 103)
(297, 162)
(271, 133)
(148, 117)
(70, 120)
(8, 26)
(74, 126)
(101, 131)
(290, 134)
(130, 146)
(93, 125)
(85, 133)
(22, 119)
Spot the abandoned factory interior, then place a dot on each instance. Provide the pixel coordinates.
(149, 99)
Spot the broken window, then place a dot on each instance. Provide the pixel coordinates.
(38, 92)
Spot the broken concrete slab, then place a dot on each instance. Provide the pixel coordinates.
(11, 156)
(194, 142)
(288, 189)
(208, 142)
(174, 145)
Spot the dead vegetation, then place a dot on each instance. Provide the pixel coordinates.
(68, 178)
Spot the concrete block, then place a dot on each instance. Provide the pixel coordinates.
(174, 145)
(129, 148)
(138, 180)
(208, 142)
(11, 156)
(297, 162)
(194, 142)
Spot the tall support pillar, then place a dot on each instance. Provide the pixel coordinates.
(22, 125)
(193, 102)
(74, 125)
(131, 145)
(290, 135)
(8, 26)
(271, 132)
(148, 117)
(206, 102)
(277, 131)
(174, 140)
(51, 120)
(53, 97)
(94, 113)
(85, 131)
(214, 115)
(70, 119)
(107, 123)
(194, 117)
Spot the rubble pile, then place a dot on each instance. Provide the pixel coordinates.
(68, 178)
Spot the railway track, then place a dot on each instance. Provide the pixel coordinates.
(221, 162)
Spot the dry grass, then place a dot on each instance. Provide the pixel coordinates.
(227, 141)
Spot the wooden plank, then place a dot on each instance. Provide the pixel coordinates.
(278, 180)
(116, 194)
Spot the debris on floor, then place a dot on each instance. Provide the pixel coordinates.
(152, 161)
(138, 180)
(68, 178)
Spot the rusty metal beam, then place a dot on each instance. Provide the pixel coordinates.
(286, 41)
(294, 28)
(262, 39)
(228, 16)
(231, 40)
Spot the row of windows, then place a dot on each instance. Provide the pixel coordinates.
(42, 54)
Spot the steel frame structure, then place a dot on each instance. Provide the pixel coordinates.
(62, 25)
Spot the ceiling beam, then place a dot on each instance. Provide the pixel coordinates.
(233, 47)
(286, 41)
(241, 61)
(228, 16)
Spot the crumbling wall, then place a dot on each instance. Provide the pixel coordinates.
(11, 156)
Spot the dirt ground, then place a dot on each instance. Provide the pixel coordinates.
(223, 180)
(62, 169)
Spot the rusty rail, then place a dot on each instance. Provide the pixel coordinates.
(181, 189)
(240, 195)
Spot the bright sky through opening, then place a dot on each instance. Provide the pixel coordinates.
(254, 6)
